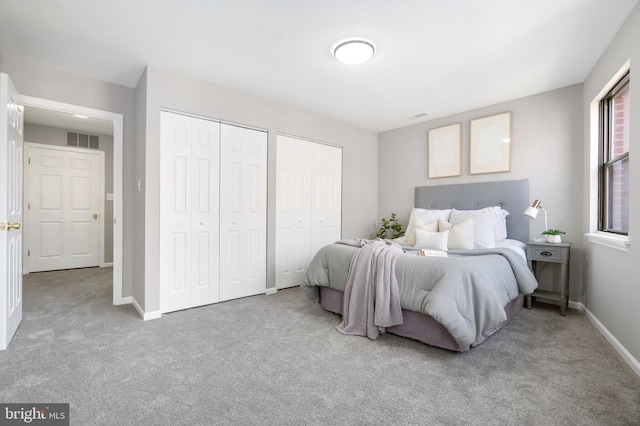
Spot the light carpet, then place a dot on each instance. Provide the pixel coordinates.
(278, 360)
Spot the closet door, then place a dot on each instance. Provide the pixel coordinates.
(293, 210)
(188, 212)
(243, 210)
(326, 202)
(205, 207)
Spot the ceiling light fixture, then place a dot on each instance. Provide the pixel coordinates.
(354, 51)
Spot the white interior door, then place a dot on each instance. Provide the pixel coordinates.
(326, 203)
(11, 151)
(243, 209)
(293, 210)
(64, 196)
(189, 212)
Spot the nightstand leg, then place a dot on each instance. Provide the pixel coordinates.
(527, 301)
(564, 301)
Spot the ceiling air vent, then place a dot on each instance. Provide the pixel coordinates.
(83, 140)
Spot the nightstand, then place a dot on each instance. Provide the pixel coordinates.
(547, 254)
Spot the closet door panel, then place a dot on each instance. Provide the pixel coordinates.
(243, 200)
(326, 203)
(189, 212)
(293, 210)
(205, 211)
(175, 216)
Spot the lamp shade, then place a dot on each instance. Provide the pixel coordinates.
(531, 212)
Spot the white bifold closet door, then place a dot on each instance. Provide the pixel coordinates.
(293, 210)
(326, 196)
(308, 204)
(243, 212)
(189, 216)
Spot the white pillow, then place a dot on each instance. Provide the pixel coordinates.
(501, 225)
(423, 216)
(432, 240)
(431, 226)
(460, 234)
(484, 224)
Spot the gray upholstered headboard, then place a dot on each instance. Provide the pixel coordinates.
(511, 195)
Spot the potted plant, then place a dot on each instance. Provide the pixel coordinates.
(390, 228)
(553, 235)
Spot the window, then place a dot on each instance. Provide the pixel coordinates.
(614, 159)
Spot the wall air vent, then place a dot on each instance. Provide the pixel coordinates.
(83, 140)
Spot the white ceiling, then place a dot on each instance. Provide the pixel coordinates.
(433, 56)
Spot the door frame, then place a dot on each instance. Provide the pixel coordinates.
(118, 147)
(27, 212)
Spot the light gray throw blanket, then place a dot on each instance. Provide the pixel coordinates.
(371, 300)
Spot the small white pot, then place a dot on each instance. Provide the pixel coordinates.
(554, 239)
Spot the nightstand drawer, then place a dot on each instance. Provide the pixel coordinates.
(547, 254)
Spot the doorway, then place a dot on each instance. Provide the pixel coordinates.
(115, 122)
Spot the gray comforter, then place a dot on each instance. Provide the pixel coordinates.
(466, 292)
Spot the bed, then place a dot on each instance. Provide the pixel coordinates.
(457, 295)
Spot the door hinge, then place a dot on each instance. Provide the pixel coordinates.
(28, 206)
(29, 160)
(28, 253)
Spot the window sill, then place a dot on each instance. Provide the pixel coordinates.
(616, 242)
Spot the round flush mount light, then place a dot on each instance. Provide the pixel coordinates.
(354, 51)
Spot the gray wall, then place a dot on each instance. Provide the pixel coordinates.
(51, 84)
(546, 143)
(611, 276)
(55, 136)
(162, 89)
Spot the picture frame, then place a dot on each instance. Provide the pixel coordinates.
(444, 151)
(490, 144)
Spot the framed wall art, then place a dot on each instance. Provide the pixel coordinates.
(444, 151)
(490, 144)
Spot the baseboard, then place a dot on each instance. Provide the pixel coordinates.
(146, 316)
(622, 351)
(126, 300)
(271, 290)
(577, 305)
(107, 265)
(152, 315)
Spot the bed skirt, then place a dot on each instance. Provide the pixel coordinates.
(419, 326)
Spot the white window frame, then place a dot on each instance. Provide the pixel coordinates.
(606, 239)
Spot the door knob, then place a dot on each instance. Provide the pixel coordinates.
(95, 215)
